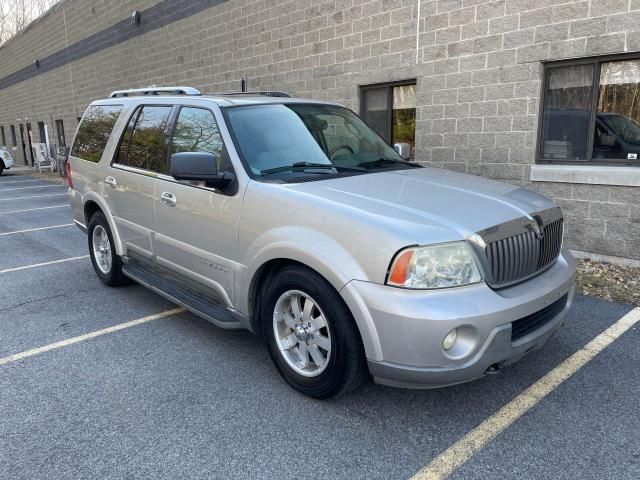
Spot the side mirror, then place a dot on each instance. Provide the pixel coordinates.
(403, 149)
(199, 167)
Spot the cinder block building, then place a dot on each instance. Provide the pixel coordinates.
(540, 93)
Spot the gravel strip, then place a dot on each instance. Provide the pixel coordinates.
(611, 282)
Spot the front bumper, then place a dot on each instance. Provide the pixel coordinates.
(403, 329)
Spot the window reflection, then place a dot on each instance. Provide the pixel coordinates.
(617, 133)
(196, 131)
(404, 116)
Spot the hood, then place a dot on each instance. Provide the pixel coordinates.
(433, 198)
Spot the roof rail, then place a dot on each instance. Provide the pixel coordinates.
(155, 91)
(267, 93)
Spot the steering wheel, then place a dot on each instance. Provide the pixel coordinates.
(340, 147)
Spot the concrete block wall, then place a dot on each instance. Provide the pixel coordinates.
(483, 115)
(477, 64)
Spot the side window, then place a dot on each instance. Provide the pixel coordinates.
(94, 131)
(197, 131)
(143, 143)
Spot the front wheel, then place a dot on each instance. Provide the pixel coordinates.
(106, 263)
(311, 335)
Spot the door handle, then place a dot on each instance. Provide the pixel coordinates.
(110, 181)
(169, 199)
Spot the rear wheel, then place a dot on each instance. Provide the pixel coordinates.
(106, 263)
(1, 167)
(311, 335)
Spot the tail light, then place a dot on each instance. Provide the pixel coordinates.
(67, 171)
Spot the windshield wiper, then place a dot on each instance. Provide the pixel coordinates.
(303, 165)
(380, 162)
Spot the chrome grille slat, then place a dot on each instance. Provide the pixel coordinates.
(520, 256)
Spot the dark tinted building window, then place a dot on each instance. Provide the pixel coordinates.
(143, 144)
(591, 112)
(42, 132)
(3, 139)
(94, 131)
(14, 140)
(196, 130)
(60, 138)
(390, 109)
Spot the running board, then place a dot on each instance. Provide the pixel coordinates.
(183, 296)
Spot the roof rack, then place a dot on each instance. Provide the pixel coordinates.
(267, 93)
(155, 91)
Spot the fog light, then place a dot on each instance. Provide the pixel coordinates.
(450, 339)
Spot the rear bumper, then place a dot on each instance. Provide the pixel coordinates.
(409, 326)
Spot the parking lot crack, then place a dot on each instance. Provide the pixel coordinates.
(18, 305)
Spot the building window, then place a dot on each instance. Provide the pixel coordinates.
(591, 112)
(14, 140)
(60, 133)
(3, 139)
(42, 132)
(390, 109)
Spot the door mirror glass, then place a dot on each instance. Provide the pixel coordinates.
(199, 167)
(403, 149)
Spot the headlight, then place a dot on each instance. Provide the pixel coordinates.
(437, 266)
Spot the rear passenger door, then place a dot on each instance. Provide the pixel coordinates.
(197, 232)
(130, 180)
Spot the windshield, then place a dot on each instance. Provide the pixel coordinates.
(624, 127)
(299, 139)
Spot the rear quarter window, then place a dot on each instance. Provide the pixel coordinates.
(94, 131)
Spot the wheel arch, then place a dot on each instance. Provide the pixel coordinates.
(93, 203)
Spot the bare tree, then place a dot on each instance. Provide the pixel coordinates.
(15, 15)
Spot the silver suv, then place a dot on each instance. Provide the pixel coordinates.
(295, 220)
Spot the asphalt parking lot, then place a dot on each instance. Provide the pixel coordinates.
(176, 397)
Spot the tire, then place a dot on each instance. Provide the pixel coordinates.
(108, 265)
(344, 367)
(1, 167)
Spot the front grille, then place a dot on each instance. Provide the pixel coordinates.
(520, 256)
(532, 322)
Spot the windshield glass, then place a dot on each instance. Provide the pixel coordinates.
(624, 127)
(285, 138)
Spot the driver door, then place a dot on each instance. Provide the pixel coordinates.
(197, 226)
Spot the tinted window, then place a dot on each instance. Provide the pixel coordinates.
(196, 131)
(94, 131)
(3, 140)
(143, 145)
(567, 113)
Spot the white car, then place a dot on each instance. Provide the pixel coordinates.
(6, 160)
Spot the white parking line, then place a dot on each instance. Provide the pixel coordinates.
(34, 196)
(465, 448)
(88, 336)
(3, 182)
(32, 209)
(44, 264)
(36, 229)
(28, 188)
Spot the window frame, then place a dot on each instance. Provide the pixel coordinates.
(389, 87)
(597, 62)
